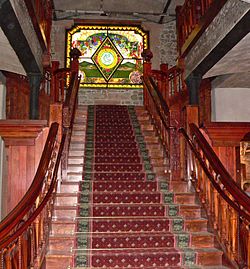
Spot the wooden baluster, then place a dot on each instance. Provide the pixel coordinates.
(216, 210)
(234, 234)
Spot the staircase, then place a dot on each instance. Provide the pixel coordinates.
(121, 209)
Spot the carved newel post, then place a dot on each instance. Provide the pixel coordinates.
(147, 55)
(74, 55)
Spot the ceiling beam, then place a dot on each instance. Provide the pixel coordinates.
(14, 33)
(165, 10)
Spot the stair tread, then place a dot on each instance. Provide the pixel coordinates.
(130, 234)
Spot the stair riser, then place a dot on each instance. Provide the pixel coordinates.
(69, 188)
(78, 138)
(67, 201)
(209, 259)
(58, 262)
(60, 213)
(79, 133)
(61, 244)
(74, 177)
(78, 161)
(78, 153)
(190, 213)
(184, 198)
(64, 228)
(75, 168)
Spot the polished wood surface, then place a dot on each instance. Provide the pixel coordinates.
(24, 141)
(227, 206)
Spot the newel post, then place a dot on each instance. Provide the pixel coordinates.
(74, 55)
(147, 55)
(164, 83)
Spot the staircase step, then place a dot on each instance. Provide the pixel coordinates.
(63, 226)
(77, 168)
(69, 186)
(140, 224)
(152, 257)
(59, 259)
(130, 241)
(117, 176)
(74, 176)
(141, 210)
(75, 160)
(66, 199)
(76, 152)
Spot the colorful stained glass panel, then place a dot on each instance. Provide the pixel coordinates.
(111, 55)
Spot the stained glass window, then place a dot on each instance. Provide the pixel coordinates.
(111, 55)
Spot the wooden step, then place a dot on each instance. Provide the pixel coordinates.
(76, 168)
(74, 176)
(75, 160)
(69, 186)
(66, 199)
(63, 226)
(59, 260)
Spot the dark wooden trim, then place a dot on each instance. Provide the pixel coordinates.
(226, 133)
(15, 131)
(42, 40)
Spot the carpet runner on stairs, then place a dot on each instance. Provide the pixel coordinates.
(128, 217)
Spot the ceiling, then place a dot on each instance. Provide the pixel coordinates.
(158, 11)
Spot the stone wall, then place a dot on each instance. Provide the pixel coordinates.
(168, 44)
(111, 97)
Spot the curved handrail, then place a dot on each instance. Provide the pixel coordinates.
(45, 200)
(239, 200)
(29, 198)
(38, 200)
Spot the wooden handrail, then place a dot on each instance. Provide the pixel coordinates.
(227, 206)
(238, 195)
(24, 232)
(225, 178)
(14, 217)
(170, 83)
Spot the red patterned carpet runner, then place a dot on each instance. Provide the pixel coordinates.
(127, 217)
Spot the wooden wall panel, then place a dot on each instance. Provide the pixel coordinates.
(24, 145)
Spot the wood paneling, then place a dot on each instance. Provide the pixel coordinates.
(24, 141)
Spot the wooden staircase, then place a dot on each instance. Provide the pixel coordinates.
(185, 220)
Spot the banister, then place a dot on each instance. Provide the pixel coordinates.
(19, 231)
(21, 209)
(215, 162)
(227, 206)
(219, 168)
(31, 216)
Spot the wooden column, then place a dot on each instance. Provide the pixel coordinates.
(191, 115)
(24, 142)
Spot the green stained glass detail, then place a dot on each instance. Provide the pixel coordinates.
(107, 58)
